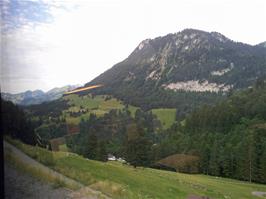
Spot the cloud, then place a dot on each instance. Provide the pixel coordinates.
(20, 12)
(28, 44)
(74, 48)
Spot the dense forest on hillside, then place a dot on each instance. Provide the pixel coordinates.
(16, 124)
(118, 133)
(148, 97)
(229, 138)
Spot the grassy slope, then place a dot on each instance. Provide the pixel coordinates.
(165, 115)
(122, 181)
(97, 105)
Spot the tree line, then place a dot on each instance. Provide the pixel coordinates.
(16, 124)
(119, 133)
(229, 138)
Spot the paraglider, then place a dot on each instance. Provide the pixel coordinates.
(83, 89)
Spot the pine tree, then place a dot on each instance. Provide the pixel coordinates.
(91, 152)
(101, 152)
(138, 147)
(214, 160)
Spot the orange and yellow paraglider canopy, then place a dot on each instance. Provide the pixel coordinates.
(83, 89)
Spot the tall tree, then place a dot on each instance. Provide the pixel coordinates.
(101, 152)
(92, 147)
(138, 147)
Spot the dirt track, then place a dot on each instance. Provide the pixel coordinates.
(21, 185)
(33, 163)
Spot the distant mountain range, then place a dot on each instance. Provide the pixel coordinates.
(191, 61)
(37, 96)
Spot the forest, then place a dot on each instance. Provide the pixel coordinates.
(227, 139)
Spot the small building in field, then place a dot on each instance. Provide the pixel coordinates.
(121, 160)
(56, 142)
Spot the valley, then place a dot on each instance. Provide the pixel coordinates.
(97, 125)
(184, 114)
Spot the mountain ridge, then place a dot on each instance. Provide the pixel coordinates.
(187, 61)
(37, 96)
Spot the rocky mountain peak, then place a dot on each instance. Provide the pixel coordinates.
(163, 55)
(190, 60)
(219, 37)
(183, 42)
(143, 44)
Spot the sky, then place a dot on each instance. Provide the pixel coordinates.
(53, 43)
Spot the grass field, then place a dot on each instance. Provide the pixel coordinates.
(123, 181)
(97, 105)
(165, 115)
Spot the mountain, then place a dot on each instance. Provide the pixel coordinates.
(24, 97)
(171, 70)
(262, 44)
(37, 96)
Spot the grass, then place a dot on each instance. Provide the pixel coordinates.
(40, 154)
(97, 105)
(123, 181)
(109, 188)
(166, 116)
(63, 147)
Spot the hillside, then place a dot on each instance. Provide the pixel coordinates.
(183, 70)
(122, 181)
(229, 137)
(236, 123)
(37, 96)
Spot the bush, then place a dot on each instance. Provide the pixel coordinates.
(182, 163)
(41, 155)
(45, 157)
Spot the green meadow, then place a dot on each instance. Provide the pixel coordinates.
(98, 105)
(165, 115)
(123, 181)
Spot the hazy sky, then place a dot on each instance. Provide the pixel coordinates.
(52, 43)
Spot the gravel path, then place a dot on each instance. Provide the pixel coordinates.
(20, 185)
(33, 163)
